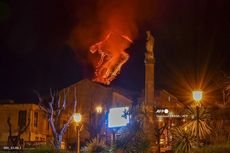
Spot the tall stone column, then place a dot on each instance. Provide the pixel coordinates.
(149, 69)
(149, 87)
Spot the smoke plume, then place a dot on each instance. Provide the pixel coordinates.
(95, 21)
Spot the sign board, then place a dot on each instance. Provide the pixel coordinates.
(117, 117)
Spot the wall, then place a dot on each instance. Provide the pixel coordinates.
(32, 133)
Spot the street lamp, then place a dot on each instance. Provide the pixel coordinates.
(197, 96)
(99, 109)
(77, 118)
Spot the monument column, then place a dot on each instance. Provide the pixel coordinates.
(149, 87)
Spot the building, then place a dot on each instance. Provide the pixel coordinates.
(164, 99)
(89, 95)
(21, 115)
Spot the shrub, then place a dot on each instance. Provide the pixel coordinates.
(133, 140)
(183, 141)
(96, 146)
(204, 128)
(223, 148)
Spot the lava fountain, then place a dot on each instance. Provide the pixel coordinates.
(112, 56)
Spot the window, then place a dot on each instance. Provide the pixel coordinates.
(35, 119)
(21, 119)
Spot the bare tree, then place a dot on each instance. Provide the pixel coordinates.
(16, 140)
(54, 109)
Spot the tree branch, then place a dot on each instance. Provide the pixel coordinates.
(10, 126)
(64, 100)
(61, 109)
(65, 126)
(75, 100)
(22, 130)
(54, 109)
(40, 103)
(51, 111)
(58, 102)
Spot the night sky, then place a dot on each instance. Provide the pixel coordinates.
(191, 45)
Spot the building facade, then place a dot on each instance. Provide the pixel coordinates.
(19, 116)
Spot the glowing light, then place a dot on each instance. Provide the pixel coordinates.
(185, 128)
(117, 118)
(98, 109)
(197, 95)
(160, 119)
(77, 117)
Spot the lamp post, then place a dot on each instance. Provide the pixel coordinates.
(77, 119)
(99, 110)
(197, 96)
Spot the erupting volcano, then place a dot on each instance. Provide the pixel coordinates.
(112, 56)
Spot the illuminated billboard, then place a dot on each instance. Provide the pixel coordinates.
(117, 117)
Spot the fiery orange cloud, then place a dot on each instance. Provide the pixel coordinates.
(110, 26)
(112, 56)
